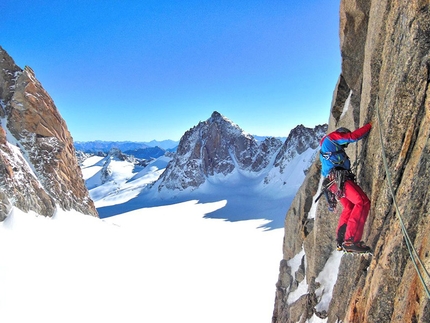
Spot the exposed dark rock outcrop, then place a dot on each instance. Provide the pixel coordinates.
(38, 166)
(215, 146)
(385, 48)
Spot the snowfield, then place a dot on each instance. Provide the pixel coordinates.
(157, 264)
(163, 264)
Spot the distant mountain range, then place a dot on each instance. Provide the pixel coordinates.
(98, 146)
(142, 150)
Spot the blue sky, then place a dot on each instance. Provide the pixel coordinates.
(142, 70)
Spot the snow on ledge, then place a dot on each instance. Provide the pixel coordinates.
(346, 105)
(313, 210)
(302, 289)
(295, 262)
(316, 319)
(327, 278)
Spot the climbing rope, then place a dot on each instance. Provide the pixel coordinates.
(412, 251)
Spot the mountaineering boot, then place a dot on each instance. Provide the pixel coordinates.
(362, 245)
(340, 237)
(357, 247)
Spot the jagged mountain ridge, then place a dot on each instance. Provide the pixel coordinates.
(39, 170)
(299, 140)
(384, 79)
(217, 146)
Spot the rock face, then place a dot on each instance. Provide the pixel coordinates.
(212, 147)
(385, 48)
(38, 167)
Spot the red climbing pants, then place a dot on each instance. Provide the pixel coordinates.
(356, 207)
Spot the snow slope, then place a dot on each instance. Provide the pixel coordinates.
(152, 264)
(162, 264)
(248, 195)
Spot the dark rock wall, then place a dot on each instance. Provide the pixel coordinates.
(385, 47)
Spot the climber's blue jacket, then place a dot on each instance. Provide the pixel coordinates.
(332, 153)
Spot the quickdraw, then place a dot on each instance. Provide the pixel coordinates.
(337, 176)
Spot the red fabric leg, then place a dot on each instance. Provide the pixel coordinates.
(346, 212)
(358, 214)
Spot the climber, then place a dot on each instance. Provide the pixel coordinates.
(341, 185)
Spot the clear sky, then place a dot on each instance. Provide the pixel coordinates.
(151, 69)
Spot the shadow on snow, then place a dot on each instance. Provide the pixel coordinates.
(272, 210)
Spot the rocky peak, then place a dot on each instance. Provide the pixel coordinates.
(214, 146)
(217, 146)
(385, 79)
(8, 75)
(116, 153)
(298, 141)
(39, 167)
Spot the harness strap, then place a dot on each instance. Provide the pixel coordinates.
(339, 150)
(328, 154)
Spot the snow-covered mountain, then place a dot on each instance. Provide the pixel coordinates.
(215, 160)
(218, 147)
(118, 178)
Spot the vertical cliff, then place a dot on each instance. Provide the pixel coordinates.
(38, 166)
(385, 47)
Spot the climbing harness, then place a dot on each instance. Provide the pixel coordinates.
(329, 196)
(338, 176)
(412, 251)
